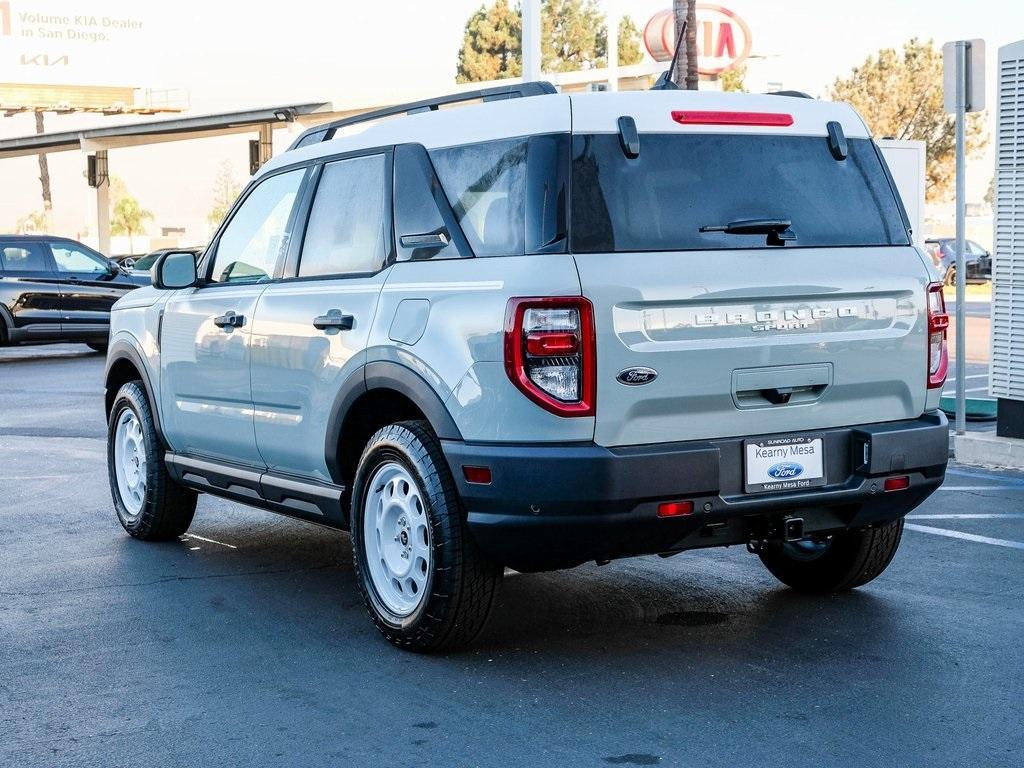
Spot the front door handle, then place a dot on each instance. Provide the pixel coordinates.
(229, 320)
(334, 319)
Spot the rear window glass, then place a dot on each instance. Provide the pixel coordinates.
(682, 182)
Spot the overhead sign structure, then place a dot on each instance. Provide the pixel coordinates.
(67, 55)
(723, 38)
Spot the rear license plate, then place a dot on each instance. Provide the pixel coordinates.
(784, 464)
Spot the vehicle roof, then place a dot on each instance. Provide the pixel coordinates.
(43, 238)
(580, 113)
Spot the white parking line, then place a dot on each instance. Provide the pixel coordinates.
(965, 536)
(971, 516)
(1006, 478)
(209, 541)
(981, 487)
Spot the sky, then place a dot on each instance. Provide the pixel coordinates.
(352, 53)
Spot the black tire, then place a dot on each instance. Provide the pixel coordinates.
(97, 346)
(850, 559)
(463, 585)
(167, 508)
(949, 279)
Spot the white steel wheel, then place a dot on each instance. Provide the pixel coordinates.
(396, 535)
(130, 462)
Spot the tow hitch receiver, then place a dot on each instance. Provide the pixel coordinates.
(789, 529)
(793, 529)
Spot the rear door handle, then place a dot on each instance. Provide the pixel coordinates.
(334, 319)
(229, 320)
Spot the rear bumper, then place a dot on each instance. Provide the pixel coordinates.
(550, 506)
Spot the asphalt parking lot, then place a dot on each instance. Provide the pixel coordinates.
(246, 643)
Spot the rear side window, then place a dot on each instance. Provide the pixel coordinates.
(345, 234)
(682, 182)
(486, 186)
(24, 257)
(508, 195)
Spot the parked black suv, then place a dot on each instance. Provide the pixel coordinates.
(56, 289)
(943, 253)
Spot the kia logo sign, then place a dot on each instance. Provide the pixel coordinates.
(723, 38)
(785, 470)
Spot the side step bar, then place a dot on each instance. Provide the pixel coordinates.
(315, 502)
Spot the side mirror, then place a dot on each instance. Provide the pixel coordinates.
(174, 270)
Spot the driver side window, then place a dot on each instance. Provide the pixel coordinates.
(72, 259)
(256, 236)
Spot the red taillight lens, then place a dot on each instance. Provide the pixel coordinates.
(547, 343)
(717, 117)
(938, 351)
(550, 352)
(900, 483)
(675, 508)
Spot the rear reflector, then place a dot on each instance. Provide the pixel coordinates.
(715, 117)
(477, 475)
(900, 483)
(675, 508)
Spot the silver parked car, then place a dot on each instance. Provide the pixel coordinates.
(543, 330)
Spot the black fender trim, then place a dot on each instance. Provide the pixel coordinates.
(384, 374)
(124, 350)
(387, 375)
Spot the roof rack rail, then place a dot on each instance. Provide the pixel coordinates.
(327, 131)
(795, 94)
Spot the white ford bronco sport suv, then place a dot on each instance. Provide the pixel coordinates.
(542, 330)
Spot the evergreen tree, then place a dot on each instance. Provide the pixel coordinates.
(899, 94)
(573, 37)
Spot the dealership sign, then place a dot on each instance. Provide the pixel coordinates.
(723, 38)
(71, 43)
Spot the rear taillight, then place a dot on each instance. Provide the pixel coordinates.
(550, 352)
(938, 351)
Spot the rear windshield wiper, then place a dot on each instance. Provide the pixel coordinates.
(778, 230)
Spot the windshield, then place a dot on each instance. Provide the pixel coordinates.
(682, 182)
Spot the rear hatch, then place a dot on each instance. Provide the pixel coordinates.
(826, 327)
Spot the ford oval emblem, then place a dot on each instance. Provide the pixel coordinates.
(785, 470)
(634, 377)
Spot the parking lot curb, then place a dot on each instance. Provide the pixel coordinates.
(986, 449)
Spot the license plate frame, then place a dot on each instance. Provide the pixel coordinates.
(802, 454)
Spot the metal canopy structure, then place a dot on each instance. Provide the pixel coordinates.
(96, 142)
(157, 131)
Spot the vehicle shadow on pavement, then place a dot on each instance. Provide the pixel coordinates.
(707, 604)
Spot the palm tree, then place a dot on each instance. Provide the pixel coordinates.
(128, 216)
(685, 73)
